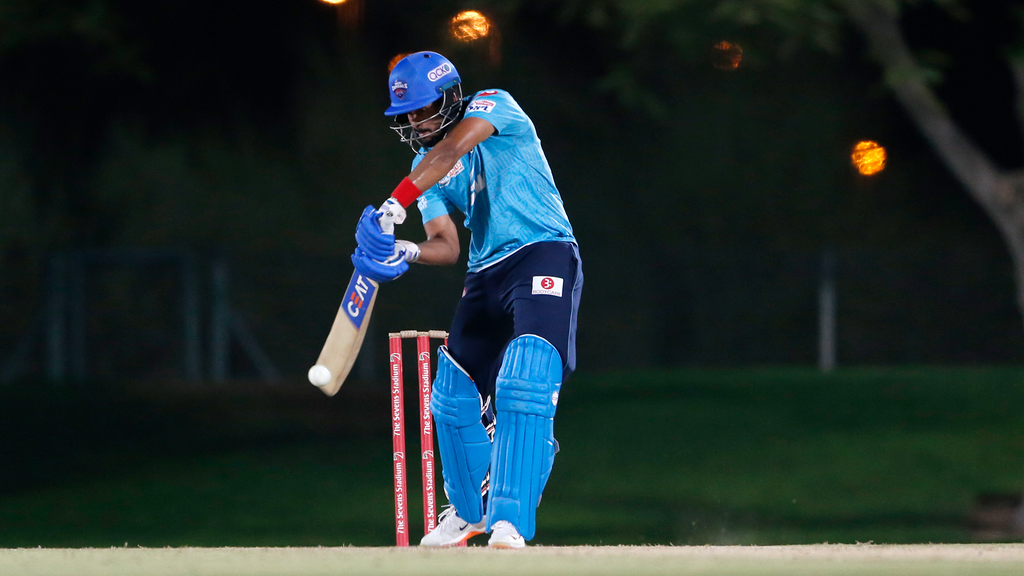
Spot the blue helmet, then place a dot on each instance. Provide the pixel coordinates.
(417, 81)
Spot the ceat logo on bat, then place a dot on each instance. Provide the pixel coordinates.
(399, 88)
(357, 299)
(549, 285)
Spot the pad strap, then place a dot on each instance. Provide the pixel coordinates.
(526, 397)
(464, 445)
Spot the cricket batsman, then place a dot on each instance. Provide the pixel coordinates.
(513, 337)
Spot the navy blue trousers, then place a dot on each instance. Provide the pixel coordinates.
(534, 291)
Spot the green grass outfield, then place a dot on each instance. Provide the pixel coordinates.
(833, 560)
(752, 457)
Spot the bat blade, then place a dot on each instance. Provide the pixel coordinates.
(347, 333)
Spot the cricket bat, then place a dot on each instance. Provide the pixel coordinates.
(346, 337)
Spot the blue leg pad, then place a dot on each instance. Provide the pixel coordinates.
(526, 396)
(461, 437)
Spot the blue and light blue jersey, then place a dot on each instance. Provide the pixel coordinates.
(503, 186)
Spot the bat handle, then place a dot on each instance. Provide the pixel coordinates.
(391, 213)
(387, 222)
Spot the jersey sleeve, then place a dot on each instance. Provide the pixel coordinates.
(500, 110)
(433, 203)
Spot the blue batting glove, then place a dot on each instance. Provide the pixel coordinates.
(378, 245)
(378, 271)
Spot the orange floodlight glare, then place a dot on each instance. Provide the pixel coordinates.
(727, 55)
(470, 25)
(868, 157)
(394, 61)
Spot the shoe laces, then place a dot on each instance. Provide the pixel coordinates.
(446, 511)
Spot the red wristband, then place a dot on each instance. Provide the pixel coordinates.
(406, 193)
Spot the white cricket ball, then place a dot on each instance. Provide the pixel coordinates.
(319, 375)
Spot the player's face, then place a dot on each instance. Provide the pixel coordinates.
(426, 122)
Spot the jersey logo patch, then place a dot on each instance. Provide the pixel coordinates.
(481, 106)
(455, 171)
(421, 202)
(487, 93)
(550, 285)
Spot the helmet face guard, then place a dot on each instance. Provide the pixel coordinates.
(450, 112)
(418, 81)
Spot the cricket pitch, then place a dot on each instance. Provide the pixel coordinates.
(830, 559)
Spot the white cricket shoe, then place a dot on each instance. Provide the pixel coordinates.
(505, 535)
(451, 530)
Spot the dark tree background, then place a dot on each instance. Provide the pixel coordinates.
(703, 198)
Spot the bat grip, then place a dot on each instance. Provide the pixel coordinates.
(387, 222)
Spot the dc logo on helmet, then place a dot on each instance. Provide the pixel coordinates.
(399, 88)
(439, 72)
